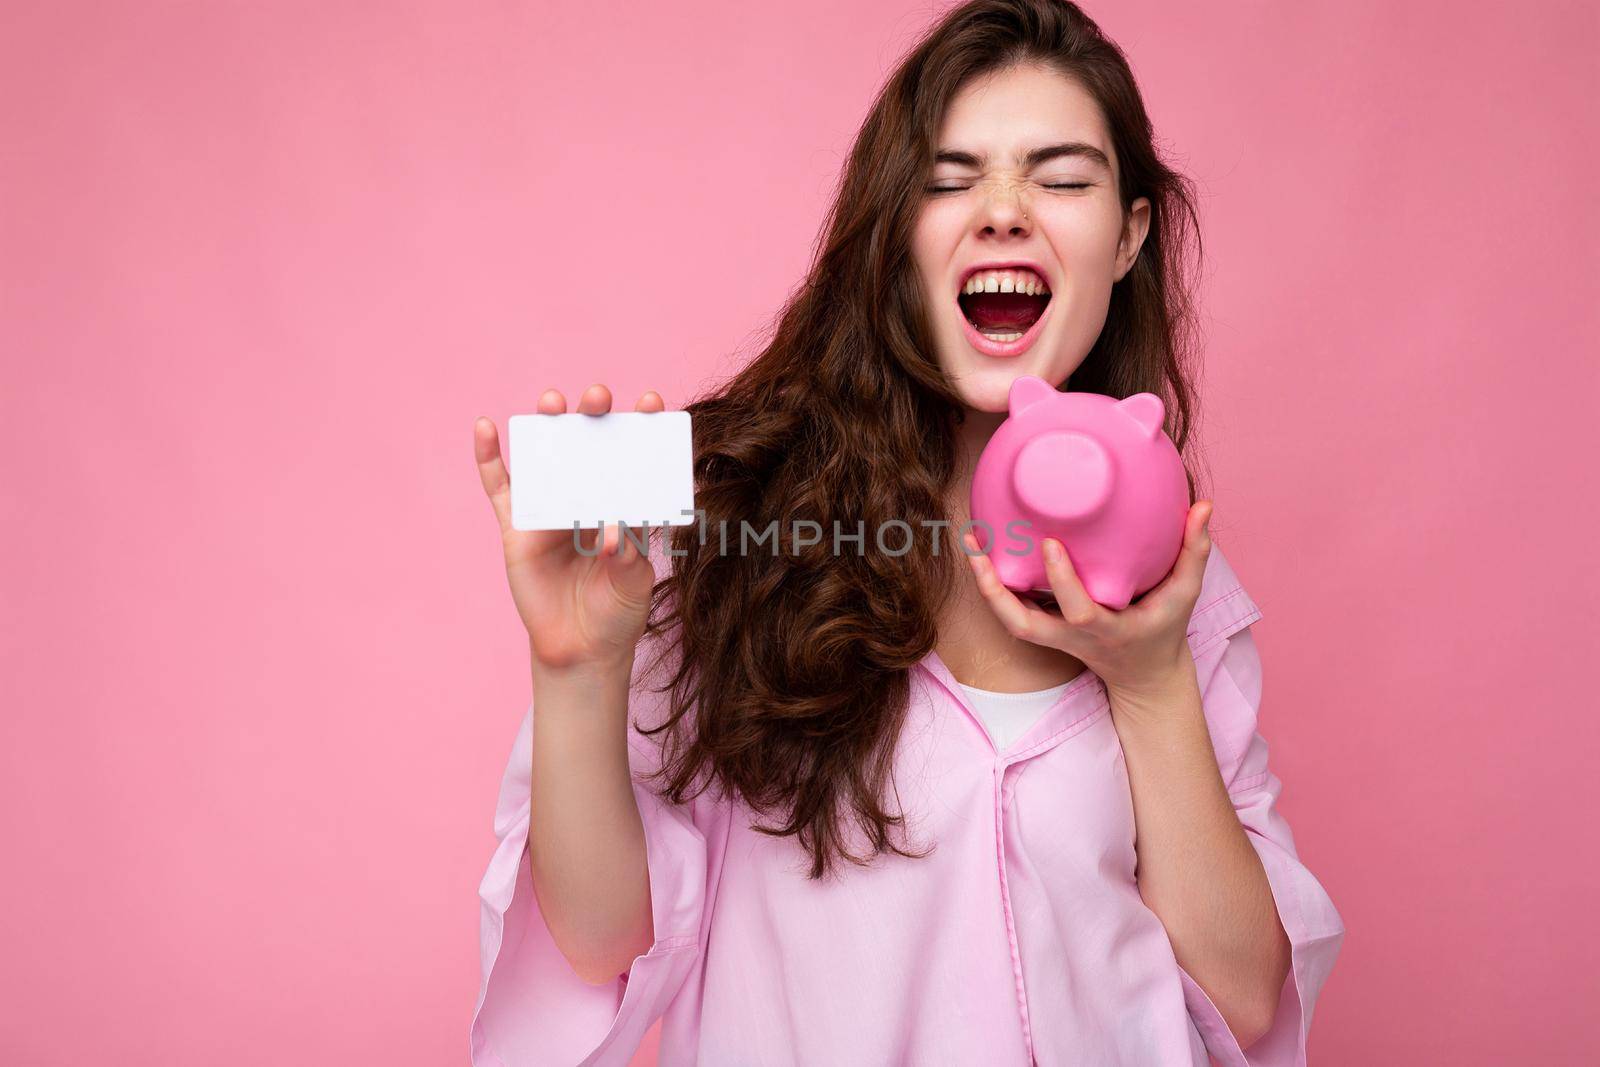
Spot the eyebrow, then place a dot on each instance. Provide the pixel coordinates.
(1078, 149)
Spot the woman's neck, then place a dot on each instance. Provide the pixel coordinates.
(973, 642)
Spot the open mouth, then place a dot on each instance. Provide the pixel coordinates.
(1003, 305)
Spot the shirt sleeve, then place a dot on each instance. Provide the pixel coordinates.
(1230, 679)
(532, 1009)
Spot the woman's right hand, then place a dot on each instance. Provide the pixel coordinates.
(580, 610)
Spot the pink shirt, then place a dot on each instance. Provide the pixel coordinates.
(1021, 939)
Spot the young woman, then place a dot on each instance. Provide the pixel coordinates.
(816, 802)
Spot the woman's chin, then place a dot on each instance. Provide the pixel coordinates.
(985, 384)
(982, 388)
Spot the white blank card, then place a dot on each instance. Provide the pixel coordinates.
(634, 467)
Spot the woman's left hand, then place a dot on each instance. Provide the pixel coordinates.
(1139, 652)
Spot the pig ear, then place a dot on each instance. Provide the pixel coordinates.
(1026, 391)
(1145, 409)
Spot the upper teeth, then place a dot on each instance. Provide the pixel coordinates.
(1005, 281)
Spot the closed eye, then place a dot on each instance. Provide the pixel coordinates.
(963, 188)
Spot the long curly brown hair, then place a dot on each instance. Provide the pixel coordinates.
(796, 660)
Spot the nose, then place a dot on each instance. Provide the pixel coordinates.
(1004, 212)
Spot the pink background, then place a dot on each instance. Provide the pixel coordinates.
(263, 264)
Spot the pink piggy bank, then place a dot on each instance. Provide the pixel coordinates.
(1094, 472)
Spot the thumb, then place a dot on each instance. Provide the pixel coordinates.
(1197, 539)
(629, 567)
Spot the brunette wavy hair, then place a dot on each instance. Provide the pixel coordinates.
(796, 663)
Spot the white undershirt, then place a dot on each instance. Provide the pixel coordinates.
(1008, 715)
